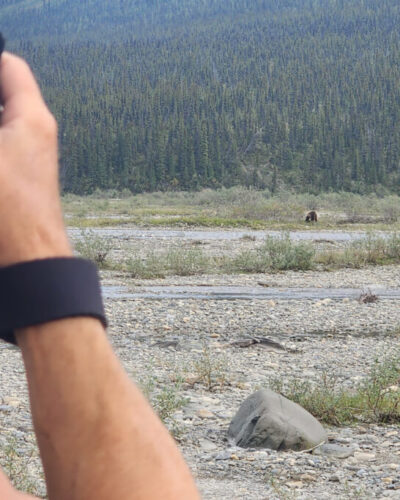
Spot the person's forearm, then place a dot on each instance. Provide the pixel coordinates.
(98, 438)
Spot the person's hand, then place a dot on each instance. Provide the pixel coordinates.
(31, 223)
(7, 492)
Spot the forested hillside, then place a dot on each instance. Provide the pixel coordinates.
(159, 94)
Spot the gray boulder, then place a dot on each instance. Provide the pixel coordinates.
(268, 420)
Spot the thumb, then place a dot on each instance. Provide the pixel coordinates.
(19, 91)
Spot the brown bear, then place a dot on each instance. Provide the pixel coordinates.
(312, 216)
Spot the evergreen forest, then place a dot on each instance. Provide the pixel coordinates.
(184, 94)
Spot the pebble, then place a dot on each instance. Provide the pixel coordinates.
(205, 414)
(307, 477)
(334, 450)
(364, 457)
(207, 445)
(224, 455)
(295, 484)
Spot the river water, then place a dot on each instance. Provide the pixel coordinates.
(183, 292)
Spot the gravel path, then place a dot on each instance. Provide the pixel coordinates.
(172, 346)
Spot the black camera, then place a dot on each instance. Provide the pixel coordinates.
(2, 44)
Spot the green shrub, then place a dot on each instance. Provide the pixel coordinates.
(165, 398)
(376, 399)
(248, 261)
(372, 250)
(149, 268)
(284, 254)
(325, 400)
(179, 262)
(276, 254)
(93, 247)
(211, 368)
(381, 390)
(187, 262)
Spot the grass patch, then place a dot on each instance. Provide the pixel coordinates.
(205, 221)
(211, 369)
(236, 207)
(157, 211)
(188, 262)
(152, 267)
(176, 262)
(16, 464)
(87, 223)
(276, 254)
(376, 399)
(372, 250)
(166, 399)
(93, 247)
(162, 221)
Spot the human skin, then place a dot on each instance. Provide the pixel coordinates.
(97, 435)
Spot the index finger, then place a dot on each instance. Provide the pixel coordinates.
(19, 90)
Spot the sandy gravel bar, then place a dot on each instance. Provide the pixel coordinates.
(162, 344)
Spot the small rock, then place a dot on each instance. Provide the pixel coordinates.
(360, 456)
(387, 480)
(392, 494)
(307, 478)
(191, 378)
(207, 445)
(294, 484)
(12, 402)
(224, 455)
(203, 413)
(334, 450)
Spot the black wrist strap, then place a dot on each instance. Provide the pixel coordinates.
(32, 293)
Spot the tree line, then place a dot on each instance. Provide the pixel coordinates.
(301, 93)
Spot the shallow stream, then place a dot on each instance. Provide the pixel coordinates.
(244, 293)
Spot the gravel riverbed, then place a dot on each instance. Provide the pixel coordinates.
(174, 347)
